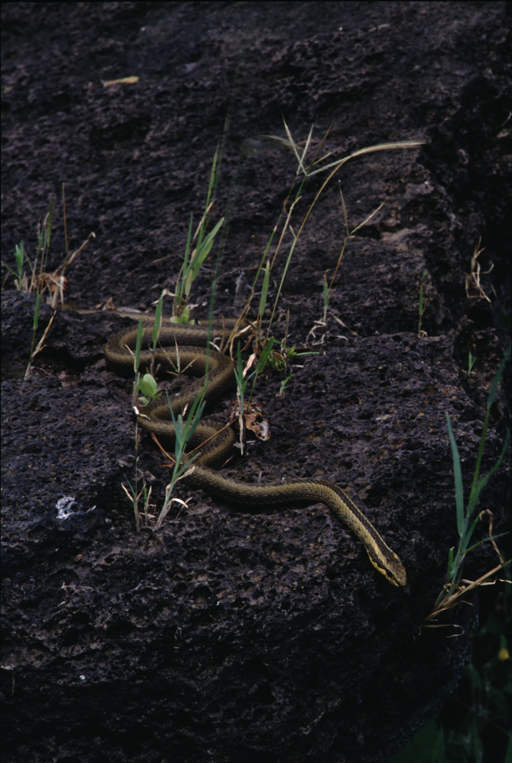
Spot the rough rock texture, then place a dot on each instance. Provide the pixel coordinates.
(227, 635)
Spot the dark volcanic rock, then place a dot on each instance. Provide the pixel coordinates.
(229, 635)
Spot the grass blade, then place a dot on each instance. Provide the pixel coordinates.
(158, 322)
(138, 345)
(264, 292)
(459, 491)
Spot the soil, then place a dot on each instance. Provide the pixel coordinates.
(229, 635)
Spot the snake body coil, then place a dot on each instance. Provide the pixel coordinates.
(186, 350)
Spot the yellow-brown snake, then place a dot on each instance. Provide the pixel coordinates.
(189, 343)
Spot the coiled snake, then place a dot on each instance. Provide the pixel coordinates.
(186, 348)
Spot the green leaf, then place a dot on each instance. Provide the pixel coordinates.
(138, 345)
(19, 253)
(326, 292)
(450, 563)
(459, 491)
(36, 311)
(264, 291)
(183, 318)
(189, 240)
(241, 382)
(283, 385)
(201, 254)
(148, 386)
(475, 492)
(262, 362)
(489, 540)
(158, 322)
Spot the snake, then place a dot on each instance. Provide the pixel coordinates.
(191, 348)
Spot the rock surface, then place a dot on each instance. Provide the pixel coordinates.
(226, 635)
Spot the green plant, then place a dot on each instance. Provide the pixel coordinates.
(33, 276)
(184, 427)
(146, 385)
(20, 256)
(473, 725)
(194, 260)
(145, 390)
(134, 498)
(148, 389)
(308, 170)
(132, 491)
(265, 344)
(37, 279)
(327, 290)
(282, 386)
(471, 362)
(466, 520)
(279, 354)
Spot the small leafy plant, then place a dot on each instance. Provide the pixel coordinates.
(33, 276)
(184, 427)
(37, 280)
(474, 723)
(307, 169)
(30, 275)
(145, 390)
(268, 350)
(193, 261)
(453, 589)
(146, 385)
